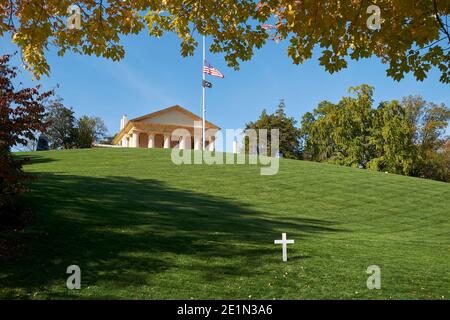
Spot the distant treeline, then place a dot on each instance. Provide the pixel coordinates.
(65, 131)
(403, 137)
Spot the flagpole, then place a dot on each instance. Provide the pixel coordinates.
(203, 100)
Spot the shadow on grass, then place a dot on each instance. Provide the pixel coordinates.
(122, 230)
(34, 158)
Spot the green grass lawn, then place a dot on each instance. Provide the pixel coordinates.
(142, 228)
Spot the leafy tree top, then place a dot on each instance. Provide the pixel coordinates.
(21, 109)
(289, 133)
(414, 35)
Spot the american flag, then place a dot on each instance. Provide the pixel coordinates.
(209, 69)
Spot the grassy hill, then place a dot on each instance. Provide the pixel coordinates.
(141, 227)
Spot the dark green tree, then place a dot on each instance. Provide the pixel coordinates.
(340, 133)
(61, 121)
(289, 133)
(88, 131)
(392, 136)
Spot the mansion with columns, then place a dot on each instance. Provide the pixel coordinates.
(161, 129)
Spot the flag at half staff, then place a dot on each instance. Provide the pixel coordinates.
(209, 69)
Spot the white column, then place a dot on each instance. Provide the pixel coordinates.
(124, 142)
(182, 143)
(197, 143)
(211, 145)
(151, 140)
(235, 146)
(135, 143)
(166, 141)
(127, 141)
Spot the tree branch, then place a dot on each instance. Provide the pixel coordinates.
(440, 23)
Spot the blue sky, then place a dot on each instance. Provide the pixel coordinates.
(153, 76)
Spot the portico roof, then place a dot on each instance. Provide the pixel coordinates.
(138, 122)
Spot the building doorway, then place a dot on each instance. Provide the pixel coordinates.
(143, 140)
(159, 141)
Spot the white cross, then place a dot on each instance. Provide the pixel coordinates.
(284, 242)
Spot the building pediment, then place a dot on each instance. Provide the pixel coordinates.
(164, 121)
(175, 115)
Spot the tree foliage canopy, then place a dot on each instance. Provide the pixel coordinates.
(21, 114)
(406, 137)
(414, 35)
(61, 125)
(289, 135)
(65, 131)
(88, 131)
